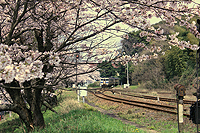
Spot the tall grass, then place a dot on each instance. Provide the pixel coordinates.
(73, 117)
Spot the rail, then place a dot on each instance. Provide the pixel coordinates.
(159, 107)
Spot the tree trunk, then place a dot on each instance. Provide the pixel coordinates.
(38, 118)
(34, 99)
(32, 117)
(21, 108)
(26, 117)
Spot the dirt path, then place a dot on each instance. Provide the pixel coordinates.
(105, 112)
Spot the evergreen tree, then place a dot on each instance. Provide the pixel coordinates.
(107, 70)
(175, 62)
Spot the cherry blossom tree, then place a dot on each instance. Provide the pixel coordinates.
(40, 39)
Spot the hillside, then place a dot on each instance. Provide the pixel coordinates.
(173, 65)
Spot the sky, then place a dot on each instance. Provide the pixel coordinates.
(117, 40)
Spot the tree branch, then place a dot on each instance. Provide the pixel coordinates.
(49, 108)
(64, 44)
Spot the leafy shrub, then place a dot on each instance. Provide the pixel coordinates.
(149, 85)
(95, 84)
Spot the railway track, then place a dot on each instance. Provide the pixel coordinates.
(158, 98)
(124, 92)
(154, 106)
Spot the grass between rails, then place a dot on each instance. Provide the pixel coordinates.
(72, 117)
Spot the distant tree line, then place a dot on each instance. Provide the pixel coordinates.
(175, 66)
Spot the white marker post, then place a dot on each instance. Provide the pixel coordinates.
(83, 92)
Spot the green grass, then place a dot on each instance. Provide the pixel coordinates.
(72, 117)
(164, 126)
(82, 121)
(10, 124)
(133, 87)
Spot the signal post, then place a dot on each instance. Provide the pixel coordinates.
(180, 93)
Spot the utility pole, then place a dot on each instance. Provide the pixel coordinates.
(77, 91)
(77, 56)
(127, 75)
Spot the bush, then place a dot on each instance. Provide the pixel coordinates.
(149, 85)
(95, 84)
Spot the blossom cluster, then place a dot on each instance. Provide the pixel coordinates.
(192, 27)
(22, 67)
(53, 58)
(135, 58)
(157, 34)
(181, 44)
